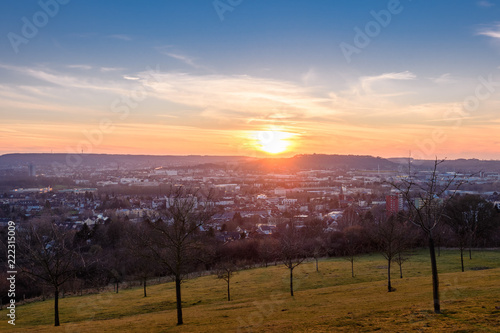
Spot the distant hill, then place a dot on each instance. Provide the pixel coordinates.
(297, 162)
(96, 160)
(323, 161)
(465, 165)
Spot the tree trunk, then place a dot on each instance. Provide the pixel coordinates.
(317, 268)
(56, 307)
(400, 263)
(291, 281)
(470, 252)
(435, 279)
(389, 287)
(352, 266)
(178, 299)
(228, 292)
(145, 281)
(117, 287)
(462, 257)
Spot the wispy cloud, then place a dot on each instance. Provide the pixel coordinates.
(120, 37)
(77, 66)
(246, 96)
(310, 76)
(485, 4)
(111, 69)
(444, 79)
(67, 80)
(169, 51)
(366, 82)
(185, 59)
(493, 32)
(132, 78)
(85, 35)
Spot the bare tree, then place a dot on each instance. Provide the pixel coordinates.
(469, 216)
(353, 244)
(116, 266)
(315, 240)
(400, 259)
(225, 271)
(405, 243)
(143, 260)
(426, 200)
(174, 241)
(318, 246)
(389, 236)
(268, 249)
(47, 254)
(291, 249)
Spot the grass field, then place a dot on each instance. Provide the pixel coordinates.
(326, 301)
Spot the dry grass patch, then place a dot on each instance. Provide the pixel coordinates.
(325, 301)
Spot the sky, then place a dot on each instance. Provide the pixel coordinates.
(251, 77)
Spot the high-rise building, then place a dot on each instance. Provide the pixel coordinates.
(31, 170)
(393, 204)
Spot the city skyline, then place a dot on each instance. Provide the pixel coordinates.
(252, 78)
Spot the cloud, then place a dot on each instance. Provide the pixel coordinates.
(444, 79)
(366, 82)
(132, 78)
(84, 35)
(242, 96)
(485, 4)
(493, 32)
(120, 37)
(83, 67)
(66, 80)
(190, 61)
(310, 76)
(185, 59)
(111, 69)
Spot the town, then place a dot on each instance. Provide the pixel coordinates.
(258, 198)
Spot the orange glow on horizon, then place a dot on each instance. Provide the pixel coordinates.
(159, 139)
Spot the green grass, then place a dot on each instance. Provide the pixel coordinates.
(326, 301)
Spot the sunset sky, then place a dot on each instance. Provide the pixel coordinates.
(251, 77)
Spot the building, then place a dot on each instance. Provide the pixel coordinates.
(31, 170)
(393, 204)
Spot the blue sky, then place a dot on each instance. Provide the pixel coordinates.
(274, 67)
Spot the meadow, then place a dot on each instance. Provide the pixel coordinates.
(329, 300)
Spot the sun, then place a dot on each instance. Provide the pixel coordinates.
(273, 142)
